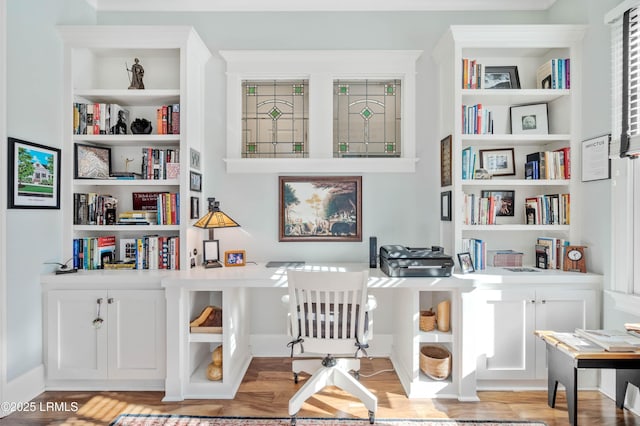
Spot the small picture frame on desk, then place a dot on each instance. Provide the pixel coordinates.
(211, 254)
(235, 258)
(466, 263)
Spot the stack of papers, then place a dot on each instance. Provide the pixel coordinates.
(577, 343)
(611, 340)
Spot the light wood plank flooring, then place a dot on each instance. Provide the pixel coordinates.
(268, 385)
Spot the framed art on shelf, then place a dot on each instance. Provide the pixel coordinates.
(320, 208)
(445, 205)
(595, 158)
(235, 258)
(34, 175)
(445, 161)
(504, 198)
(498, 162)
(501, 77)
(529, 120)
(195, 181)
(92, 162)
(466, 263)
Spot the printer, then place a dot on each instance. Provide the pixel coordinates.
(401, 261)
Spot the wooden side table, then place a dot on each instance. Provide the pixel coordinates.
(563, 363)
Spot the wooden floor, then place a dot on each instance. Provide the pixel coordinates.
(268, 385)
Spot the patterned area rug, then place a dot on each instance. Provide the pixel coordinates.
(177, 420)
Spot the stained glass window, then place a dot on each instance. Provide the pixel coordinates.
(367, 118)
(275, 117)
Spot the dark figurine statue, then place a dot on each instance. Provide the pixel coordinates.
(137, 72)
(120, 128)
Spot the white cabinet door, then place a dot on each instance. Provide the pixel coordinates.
(137, 334)
(76, 349)
(504, 334)
(563, 311)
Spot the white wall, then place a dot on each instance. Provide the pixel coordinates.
(34, 74)
(398, 208)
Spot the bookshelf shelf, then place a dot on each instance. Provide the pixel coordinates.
(528, 48)
(97, 59)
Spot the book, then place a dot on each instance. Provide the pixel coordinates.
(105, 251)
(577, 343)
(128, 248)
(611, 340)
(145, 200)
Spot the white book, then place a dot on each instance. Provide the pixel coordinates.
(611, 340)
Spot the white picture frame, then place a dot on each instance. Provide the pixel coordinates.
(529, 119)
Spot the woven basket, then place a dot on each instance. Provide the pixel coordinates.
(435, 362)
(427, 320)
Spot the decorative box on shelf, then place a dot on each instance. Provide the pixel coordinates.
(501, 258)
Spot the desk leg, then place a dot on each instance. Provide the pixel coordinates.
(624, 377)
(562, 370)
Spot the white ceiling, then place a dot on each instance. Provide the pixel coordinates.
(323, 5)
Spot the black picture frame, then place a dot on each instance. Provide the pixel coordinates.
(195, 181)
(596, 164)
(507, 198)
(334, 215)
(501, 77)
(29, 161)
(91, 162)
(195, 208)
(466, 262)
(498, 162)
(445, 205)
(211, 253)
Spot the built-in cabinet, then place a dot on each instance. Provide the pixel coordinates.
(526, 47)
(97, 76)
(506, 346)
(102, 338)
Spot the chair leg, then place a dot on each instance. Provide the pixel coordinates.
(319, 380)
(346, 382)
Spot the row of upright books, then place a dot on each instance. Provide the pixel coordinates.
(469, 163)
(160, 163)
(549, 209)
(548, 164)
(550, 252)
(481, 210)
(471, 74)
(168, 119)
(476, 120)
(554, 74)
(94, 209)
(99, 119)
(477, 249)
(148, 252)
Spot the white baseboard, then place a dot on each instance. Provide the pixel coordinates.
(23, 389)
(275, 345)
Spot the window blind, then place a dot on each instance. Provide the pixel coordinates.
(630, 85)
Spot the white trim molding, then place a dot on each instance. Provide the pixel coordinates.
(308, 6)
(625, 302)
(3, 202)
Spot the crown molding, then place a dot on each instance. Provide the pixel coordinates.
(307, 6)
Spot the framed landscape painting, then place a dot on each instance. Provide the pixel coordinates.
(320, 208)
(34, 175)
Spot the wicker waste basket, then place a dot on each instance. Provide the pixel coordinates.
(427, 320)
(435, 362)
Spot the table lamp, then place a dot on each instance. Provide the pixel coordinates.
(215, 218)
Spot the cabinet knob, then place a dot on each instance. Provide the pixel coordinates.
(110, 300)
(543, 301)
(532, 301)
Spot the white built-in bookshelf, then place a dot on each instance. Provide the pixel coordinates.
(97, 59)
(527, 48)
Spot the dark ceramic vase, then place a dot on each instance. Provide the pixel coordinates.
(141, 126)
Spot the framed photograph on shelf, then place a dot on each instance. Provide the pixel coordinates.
(595, 158)
(498, 162)
(195, 181)
(92, 162)
(320, 208)
(194, 159)
(445, 161)
(34, 175)
(466, 263)
(211, 254)
(501, 77)
(235, 258)
(529, 120)
(445, 205)
(195, 208)
(504, 199)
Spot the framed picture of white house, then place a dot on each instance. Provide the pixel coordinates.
(34, 175)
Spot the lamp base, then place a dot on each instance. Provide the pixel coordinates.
(212, 264)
